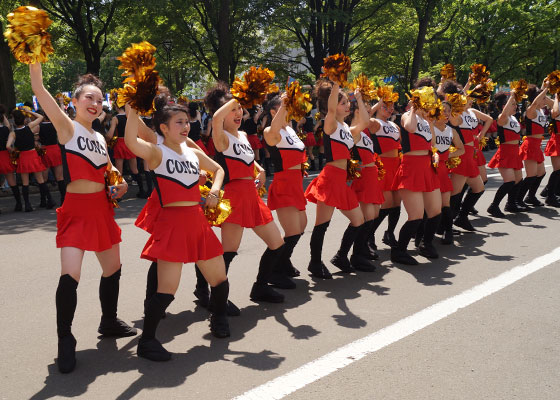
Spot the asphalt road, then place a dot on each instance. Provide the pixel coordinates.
(502, 347)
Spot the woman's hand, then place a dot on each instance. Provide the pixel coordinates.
(261, 178)
(211, 201)
(202, 178)
(118, 191)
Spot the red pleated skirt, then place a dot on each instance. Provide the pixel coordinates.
(416, 174)
(468, 166)
(200, 144)
(391, 166)
(286, 190)
(182, 234)
(368, 188)
(247, 208)
(29, 161)
(552, 148)
(6, 166)
(87, 222)
(121, 152)
(507, 156)
(530, 149)
(445, 184)
(330, 188)
(255, 142)
(310, 140)
(149, 213)
(52, 157)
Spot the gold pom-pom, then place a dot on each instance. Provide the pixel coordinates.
(216, 216)
(139, 56)
(458, 103)
(497, 141)
(386, 94)
(453, 162)
(519, 88)
(140, 91)
(298, 104)
(482, 92)
(183, 100)
(448, 72)
(554, 82)
(66, 100)
(114, 95)
(353, 170)
(424, 99)
(367, 87)
(27, 35)
(479, 74)
(113, 141)
(380, 168)
(14, 156)
(256, 84)
(336, 68)
(26, 111)
(436, 113)
(482, 142)
(112, 178)
(304, 168)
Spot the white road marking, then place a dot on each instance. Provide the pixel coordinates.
(346, 355)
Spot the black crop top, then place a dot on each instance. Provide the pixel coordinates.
(47, 134)
(121, 125)
(194, 132)
(25, 139)
(4, 133)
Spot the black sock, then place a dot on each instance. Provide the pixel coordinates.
(15, 192)
(153, 311)
(394, 215)
(269, 261)
(513, 192)
(501, 192)
(535, 185)
(219, 297)
(455, 203)
(420, 229)
(470, 200)
(447, 219)
(361, 240)
(406, 233)
(44, 189)
(553, 184)
(524, 186)
(62, 190)
(228, 257)
(316, 243)
(377, 221)
(109, 295)
(348, 239)
(290, 243)
(463, 190)
(25, 192)
(151, 281)
(430, 227)
(66, 300)
(201, 284)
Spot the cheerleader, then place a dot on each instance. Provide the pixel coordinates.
(386, 142)
(196, 126)
(418, 185)
(553, 151)
(369, 192)
(23, 139)
(52, 158)
(285, 194)
(468, 171)
(6, 167)
(250, 127)
(329, 189)
(236, 157)
(536, 123)
(507, 158)
(121, 152)
(445, 137)
(181, 233)
(86, 219)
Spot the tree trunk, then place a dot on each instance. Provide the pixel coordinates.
(7, 91)
(224, 42)
(423, 22)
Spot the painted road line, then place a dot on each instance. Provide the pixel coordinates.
(352, 352)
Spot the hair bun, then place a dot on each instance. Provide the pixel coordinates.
(161, 101)
(89, 79)
(214, 97)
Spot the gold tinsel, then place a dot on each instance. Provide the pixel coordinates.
(453, 162)
(458, 103)
(380, 168)
(480, 74)
(336, 68)
(216, 216)
(138, 57)
(352, 170)
(26, 110)
(112, 142)
(497, 141)
(298, 104)
(367, 87)
(112, 178)
(448, 72)
(483, 92)
(425, 99)
(27, 35)
(554, 82)
(482, 142)
(14, 155)
(183, 100)
(262, 190)
(519, 88)
(386, 94)
(436, 113)
(256, 84)
(304, 168)
(65, 98)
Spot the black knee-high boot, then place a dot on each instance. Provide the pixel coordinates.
(290, 243)
(340, 259)
(399, 253)
(201, 292)
(552, 187)
(455, 204)
(376, 222)
(462, 220)
(62, 189)
(151, 281)
(316, 266)
(524, 186)
(447, 225)
(109, 297)
(280, 274)
(44, 189)
(420, 231)
(219, 325)
(362, 258)
(389, 235)
(427, 248)
(511, 204)
(261, 291)
(66, 300)
(25, 192)
(532, 195)
(494, 209)
(17, 197)
(148, 346)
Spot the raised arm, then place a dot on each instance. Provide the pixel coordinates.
(38, 119)
(62, 123)
(532, 109)
(409, 121)
(147, 151)
(221, 141)
(363, 116)
(272, 133)
(487, 121)
(503, 117)
(330, 119)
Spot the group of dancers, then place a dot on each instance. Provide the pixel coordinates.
(402, 163)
